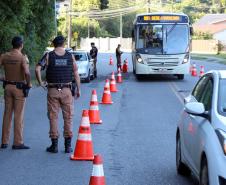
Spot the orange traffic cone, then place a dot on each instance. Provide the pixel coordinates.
(194, 71)
(119, 76)
(125, 66)
(97, 177)
(201, 71)
(106, 98)
(94, 114)
(84, 145)
(113, 87)
(111, 61)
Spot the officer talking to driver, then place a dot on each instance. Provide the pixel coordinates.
(61, 72)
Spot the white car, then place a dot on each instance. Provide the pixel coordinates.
(201, 132)
(85, 65)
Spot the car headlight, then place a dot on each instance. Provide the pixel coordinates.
(222, 138)
(139, 59)
(186, 59)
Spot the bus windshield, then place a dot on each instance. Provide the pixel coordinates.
(162, 39)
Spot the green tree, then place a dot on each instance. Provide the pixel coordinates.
(34, 20)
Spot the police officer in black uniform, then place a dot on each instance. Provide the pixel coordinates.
(93, 54)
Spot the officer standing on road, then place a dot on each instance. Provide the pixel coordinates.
(61, 68)
(93, 54)
(118, 57)
(17, 82)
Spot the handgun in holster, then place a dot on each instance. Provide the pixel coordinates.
(3, 84)
(23, 87)
(73, 88)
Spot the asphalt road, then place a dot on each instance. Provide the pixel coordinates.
(136, 139)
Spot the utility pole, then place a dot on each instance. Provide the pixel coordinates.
(88, 28)
(161, 4)
(148, 8)
(69, 25)
(120, 27)
(171, 5)
(55, 17)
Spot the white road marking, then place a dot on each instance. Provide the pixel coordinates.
(175, 90)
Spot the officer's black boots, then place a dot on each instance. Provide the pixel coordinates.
(67, 144)
(20, 147)
(54, 147)
(95, 73)
(4, 146)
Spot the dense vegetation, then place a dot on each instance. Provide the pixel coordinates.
(34, 20)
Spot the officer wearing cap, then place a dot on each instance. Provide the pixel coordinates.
(17, 77)
(93, 54)
(61, 71)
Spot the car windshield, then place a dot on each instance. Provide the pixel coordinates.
(222, 98)
(80, 56)
(162, 39)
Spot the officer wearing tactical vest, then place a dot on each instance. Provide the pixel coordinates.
(60, 70)
(16, 84)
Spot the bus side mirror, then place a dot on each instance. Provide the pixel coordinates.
(191, 30)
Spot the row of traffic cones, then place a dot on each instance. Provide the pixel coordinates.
(112, 87)
(193, 70)
(124, 67)
(84, 146)
(84, 151)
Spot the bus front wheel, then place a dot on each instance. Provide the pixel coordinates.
(180, 76)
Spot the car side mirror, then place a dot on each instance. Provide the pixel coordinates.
(195, 108)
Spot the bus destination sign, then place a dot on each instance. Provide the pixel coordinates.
(163, 19)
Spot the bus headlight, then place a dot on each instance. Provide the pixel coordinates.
(139, 59)
(222, 138)
(186, 59)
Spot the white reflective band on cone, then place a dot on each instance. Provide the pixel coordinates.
(94, 98)
(85, 122)
(93, 107)
(85, 137)
(107, 92)
(113, 82)
(98, 170)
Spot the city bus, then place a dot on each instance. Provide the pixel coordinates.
(161, 44)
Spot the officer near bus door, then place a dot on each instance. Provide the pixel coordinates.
(61, 73)
(16, 84)
(118, 57)
(93, 54)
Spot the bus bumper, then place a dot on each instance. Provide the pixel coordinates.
(145, 69)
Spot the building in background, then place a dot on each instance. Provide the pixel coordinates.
(214, 24)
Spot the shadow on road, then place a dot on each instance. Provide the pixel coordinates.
(157, 78)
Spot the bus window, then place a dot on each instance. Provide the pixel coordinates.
(150, 36)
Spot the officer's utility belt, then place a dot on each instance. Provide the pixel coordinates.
(59, 86)
(19, 85)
